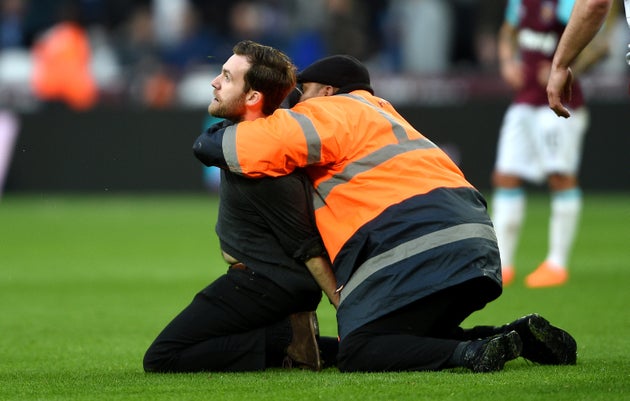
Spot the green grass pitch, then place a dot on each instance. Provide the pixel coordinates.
(87, 282)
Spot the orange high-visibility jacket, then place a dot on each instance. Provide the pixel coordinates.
(359, 163)
(396, 215)
(61, 67)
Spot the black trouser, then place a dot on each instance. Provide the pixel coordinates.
(420, 336)
(237, 323)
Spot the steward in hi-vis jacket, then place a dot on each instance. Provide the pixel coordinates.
(413, 248)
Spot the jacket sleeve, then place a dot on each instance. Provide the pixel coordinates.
(271, 146)
(208, 146)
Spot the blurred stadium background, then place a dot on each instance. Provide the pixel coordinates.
(125, 118)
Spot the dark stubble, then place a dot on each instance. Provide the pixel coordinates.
(232, 110)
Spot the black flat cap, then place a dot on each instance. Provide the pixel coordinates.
(341, 71)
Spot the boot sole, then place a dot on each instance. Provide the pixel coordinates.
(306, 355)
(548, 345)
(498, 351)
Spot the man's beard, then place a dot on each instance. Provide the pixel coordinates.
(232, 110)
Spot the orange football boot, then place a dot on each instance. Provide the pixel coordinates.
(547, 275)
(507, 273)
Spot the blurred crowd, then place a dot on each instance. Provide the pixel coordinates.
(163, 53)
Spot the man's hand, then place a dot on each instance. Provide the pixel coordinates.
(559, 90)
(512, 74)
(320, 269)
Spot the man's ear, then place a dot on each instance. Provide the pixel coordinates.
(329, 90)
(253, 97)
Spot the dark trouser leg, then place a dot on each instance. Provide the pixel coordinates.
(394, 352)
(420, 336)
(328, 347)
(223, 329)
(478, 332)
(237, 352)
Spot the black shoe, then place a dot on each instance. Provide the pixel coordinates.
(491, 354)
(544, 343)
(304, 351)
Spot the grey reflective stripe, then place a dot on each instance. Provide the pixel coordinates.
(313, 142)
(415, 247)
(399, 131)
(229, 149)
(367, 163)
(374, 159)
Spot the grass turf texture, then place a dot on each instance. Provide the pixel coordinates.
(86, 283)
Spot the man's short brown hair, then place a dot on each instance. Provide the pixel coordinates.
(272, 73)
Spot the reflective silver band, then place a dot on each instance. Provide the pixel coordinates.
(415, 247)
